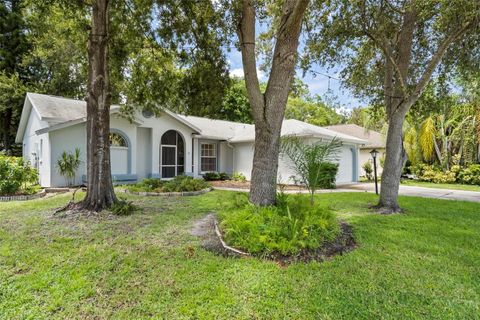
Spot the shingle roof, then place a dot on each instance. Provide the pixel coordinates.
(60, 112)
(374, 139)
(58, 109)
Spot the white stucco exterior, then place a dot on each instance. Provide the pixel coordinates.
(51, 125)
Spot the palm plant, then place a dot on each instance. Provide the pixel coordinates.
(68, 164)
(308, 161)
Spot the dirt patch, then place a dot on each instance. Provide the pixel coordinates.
(205, 230)
(345, 242)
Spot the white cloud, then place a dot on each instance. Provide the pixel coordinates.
(238, 72)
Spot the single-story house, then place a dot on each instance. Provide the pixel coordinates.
(162, 146)
(374, 140)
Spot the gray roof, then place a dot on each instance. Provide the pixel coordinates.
(374, 139)
(54, 109)
(61, 112)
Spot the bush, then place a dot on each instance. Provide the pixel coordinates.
(238, 176)
(470, 175)
(328, 174)
(177, 184)
(211, 176)
(367, 167)
(184, 184)
(16, 175)
(224, 176)
(282, 229)
(124, 208)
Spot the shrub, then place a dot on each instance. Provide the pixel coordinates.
(470, 175)
(123, 208)
(284, 230)
(16, 175)
(238, 176)
(224, 176)
(368, 168)
(328, 174)
(211, 176)
(311, 162)
(184, 184)
(67, 165)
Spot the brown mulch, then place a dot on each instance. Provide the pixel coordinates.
(345, 242)
(246, 185)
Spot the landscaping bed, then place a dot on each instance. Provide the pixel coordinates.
(180, 186)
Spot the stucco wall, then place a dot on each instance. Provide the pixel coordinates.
(144, 152)
(38, 144)
(243, 159)
(67, 139)
(365, 156)
(158, 127)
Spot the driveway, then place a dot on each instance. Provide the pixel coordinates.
(418, 192)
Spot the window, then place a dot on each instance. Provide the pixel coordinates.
(208, 155)
(116, 140)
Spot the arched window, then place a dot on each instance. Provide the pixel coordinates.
(117, 140)
(172, 154)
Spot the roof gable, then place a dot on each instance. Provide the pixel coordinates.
(374, 139)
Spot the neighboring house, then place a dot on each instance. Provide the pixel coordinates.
(375, 140)
(157, 146)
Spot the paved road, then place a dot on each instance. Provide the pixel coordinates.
(419, 192)
(473, 196)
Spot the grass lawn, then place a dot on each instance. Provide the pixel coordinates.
(452, 186)
(422, 264)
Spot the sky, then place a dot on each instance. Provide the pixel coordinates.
(317, 84)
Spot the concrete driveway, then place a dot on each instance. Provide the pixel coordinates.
(446, 194)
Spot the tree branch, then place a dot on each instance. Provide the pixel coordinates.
(246, 36)
(433, 63)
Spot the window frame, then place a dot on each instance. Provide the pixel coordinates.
(215, 156)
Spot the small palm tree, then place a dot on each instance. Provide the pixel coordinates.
(308, 160)
(68, 164)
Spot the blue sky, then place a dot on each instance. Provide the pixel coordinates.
(317, 84)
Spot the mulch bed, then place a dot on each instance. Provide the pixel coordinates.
(345, 242)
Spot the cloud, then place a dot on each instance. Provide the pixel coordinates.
(238, 72)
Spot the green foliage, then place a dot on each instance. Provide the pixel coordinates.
(235, 105)
(311, 162)
(123, 208)
(431, 173)
(216, 176)
(68, 164)
(311, 110)
(238, 176)
(178, 184)
(368, 168)
(16, 175)
(184, 184)
(285, 230)
(470, 175)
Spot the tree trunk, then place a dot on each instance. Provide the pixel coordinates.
(263, 188)
(268, 109)
(100, 193)
(395, 158)
(7, 123)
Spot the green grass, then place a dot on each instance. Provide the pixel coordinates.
(451, 186)
(423, 264)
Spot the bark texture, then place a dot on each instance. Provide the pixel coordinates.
(400, 95)
(268, 108)
(100, 193)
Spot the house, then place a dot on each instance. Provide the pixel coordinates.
(160, 146)
(374, 140)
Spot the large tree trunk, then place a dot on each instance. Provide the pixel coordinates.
(100, 193)
(395, 158)
(268, 109)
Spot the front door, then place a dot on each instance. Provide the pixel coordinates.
(169, 161)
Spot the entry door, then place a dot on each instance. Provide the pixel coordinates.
(169, 161)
